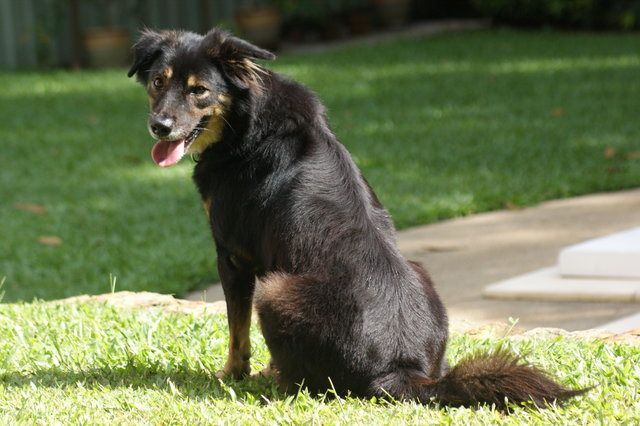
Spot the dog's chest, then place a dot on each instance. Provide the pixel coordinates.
(239, 210)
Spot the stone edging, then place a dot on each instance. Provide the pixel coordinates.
(146, 300)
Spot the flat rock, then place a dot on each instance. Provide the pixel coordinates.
(147, 300)
(144, 300)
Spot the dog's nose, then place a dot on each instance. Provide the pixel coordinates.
(161, 127)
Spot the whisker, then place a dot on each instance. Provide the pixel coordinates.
(229, 124)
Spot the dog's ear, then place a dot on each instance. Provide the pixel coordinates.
(220, 44)
(235, 47)
(145, 51)
(236, 57)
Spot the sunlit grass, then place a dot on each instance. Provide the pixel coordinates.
(441, 126)
(90, 363)
(567, 64)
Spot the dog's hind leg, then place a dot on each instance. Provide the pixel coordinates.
(277, 308)
(308, 326)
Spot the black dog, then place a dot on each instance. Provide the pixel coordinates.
(300, 233)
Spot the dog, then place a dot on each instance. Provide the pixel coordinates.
(300, 234)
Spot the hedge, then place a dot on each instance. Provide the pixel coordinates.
(585, 14)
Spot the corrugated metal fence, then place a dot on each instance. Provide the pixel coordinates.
(44, 33)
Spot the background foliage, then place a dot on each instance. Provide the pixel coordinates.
(585, 14)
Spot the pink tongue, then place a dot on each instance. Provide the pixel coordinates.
(167, 153)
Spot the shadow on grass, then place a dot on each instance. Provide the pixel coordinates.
(180, 382)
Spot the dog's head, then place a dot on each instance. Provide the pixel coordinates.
(190, 80)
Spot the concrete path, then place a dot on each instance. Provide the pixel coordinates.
(466, 254)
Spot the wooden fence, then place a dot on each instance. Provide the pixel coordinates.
(51, 33)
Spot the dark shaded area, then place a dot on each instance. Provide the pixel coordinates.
(191, 384)
(588, 14)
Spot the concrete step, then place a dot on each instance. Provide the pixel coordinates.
(549, 284)
(630, 322)
(612, 256)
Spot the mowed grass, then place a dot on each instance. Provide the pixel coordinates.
(91, 363)
(441, 126)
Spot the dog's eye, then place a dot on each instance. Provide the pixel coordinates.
(157, 83)
(199, 90)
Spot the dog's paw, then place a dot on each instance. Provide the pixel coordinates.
(234, 371)
(268, 371)
(221, 374)
(224, 374)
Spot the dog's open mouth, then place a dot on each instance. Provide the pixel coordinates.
(167, 153)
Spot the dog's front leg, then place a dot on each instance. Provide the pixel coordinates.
(238, 284)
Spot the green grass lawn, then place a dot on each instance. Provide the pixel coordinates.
(90, 363)
(441, 126)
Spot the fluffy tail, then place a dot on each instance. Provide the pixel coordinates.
(496, 378)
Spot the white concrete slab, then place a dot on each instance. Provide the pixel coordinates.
(630, 322)
(613, 256)
(548, 284)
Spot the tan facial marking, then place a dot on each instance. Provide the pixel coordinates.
(192, 81)
(211, 135)
(167, 72)
(224, 99)
(215, 125)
